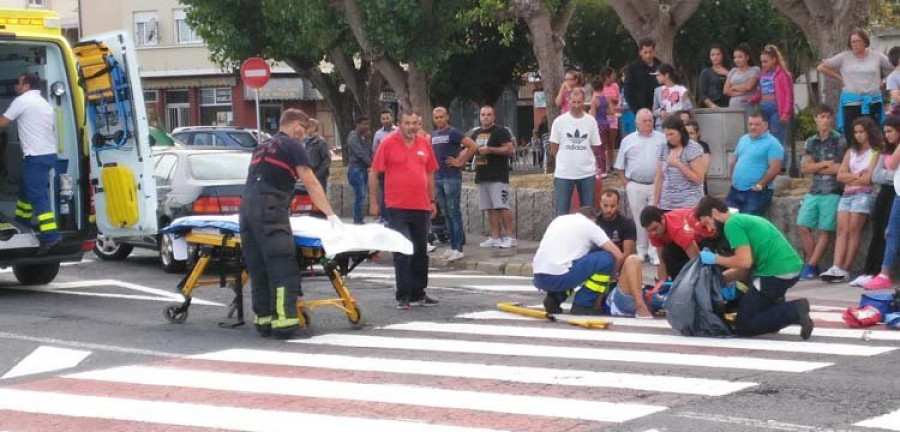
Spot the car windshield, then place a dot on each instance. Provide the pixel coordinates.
(245, 139)
(220, 166)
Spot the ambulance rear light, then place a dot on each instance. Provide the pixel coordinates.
(301, 204)
(217, 205)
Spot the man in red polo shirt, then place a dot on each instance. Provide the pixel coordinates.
(408, 164)
(676, 234)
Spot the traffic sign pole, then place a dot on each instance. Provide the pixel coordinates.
(255, 73)
(258, 128)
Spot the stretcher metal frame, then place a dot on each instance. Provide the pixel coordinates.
(224, 250)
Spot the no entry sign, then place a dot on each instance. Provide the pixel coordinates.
(255, 72)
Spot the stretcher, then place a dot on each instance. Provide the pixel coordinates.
(321, 252)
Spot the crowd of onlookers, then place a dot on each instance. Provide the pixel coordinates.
(663, 161)
(852, 157)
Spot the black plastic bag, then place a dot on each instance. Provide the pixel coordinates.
(693, 300)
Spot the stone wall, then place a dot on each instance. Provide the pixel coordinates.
(533, 211)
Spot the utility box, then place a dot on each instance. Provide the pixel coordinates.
(720, 128)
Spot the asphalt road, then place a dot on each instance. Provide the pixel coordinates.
(93, 351)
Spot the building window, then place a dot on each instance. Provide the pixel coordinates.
(146, 29)
(184, 34)
(37, 3)
(215, 107)
(151, 96)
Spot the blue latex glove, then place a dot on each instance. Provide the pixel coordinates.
(707, 257)
(729, 292)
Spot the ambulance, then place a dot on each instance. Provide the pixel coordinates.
(103, 178)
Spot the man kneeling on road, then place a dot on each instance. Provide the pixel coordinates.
(574, 253)
(775, 266)
(676, 234)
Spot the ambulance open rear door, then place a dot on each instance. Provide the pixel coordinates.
(121, 165)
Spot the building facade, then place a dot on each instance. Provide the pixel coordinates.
(182, 86)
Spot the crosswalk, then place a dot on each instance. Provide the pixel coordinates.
(484, 370)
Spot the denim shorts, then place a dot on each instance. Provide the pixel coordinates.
(620, 304)
(857, 203)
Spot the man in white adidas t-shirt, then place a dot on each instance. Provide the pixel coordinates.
(36, 123)
(571, 138)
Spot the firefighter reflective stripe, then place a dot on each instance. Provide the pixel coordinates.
(597, 283)
(263, 321)
(46, 222)
(23, 210)
(282, 321)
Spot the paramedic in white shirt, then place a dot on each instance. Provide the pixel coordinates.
(36, 123)
(575, 252)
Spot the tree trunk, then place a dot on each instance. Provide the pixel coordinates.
(419, 100)
(649, 19)
(827, 24)
(548, 51)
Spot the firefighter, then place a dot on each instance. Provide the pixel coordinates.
(37, 132)
(267, 241)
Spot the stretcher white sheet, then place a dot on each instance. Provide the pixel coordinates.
(306, 229)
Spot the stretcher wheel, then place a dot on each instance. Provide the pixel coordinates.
(360, 320)
(176, 314)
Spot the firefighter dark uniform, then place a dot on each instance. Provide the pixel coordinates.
(266, 238)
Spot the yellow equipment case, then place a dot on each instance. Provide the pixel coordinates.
(120, 187)
(92, 56)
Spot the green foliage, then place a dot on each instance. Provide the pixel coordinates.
(805, 123)
(596, 38)
(481, 74)
(731, 22)
(300, 30)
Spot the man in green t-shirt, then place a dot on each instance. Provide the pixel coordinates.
(774, 265)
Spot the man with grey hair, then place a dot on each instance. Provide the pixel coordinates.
(319, 153)
(636, 163)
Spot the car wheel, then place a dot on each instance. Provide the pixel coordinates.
(36, 274)
(167, 255)
(108, 249)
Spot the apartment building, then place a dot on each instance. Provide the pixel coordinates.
(182, 87)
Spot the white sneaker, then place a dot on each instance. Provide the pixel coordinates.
(508, 242)
(861, 280)
(431, 248)
(654, 260)
(490, 242)
(455, 255)
(446, 254)
(832, 271)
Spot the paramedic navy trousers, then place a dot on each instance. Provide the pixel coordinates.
(270, 255)
(411, 271)
(764, 310)
(34, 197)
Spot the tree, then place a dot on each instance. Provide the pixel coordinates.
(596, 37)
(547, 22)
(658, 20)
(415, 33)
(237, 29)
(490, 65)
(827, 25)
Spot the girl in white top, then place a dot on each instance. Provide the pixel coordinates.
(670, 97)
(857, 200)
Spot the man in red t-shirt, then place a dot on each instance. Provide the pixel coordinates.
(676, 234)
(408, 164)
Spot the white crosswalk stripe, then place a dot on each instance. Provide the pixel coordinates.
(479, 371)
(889, 421)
